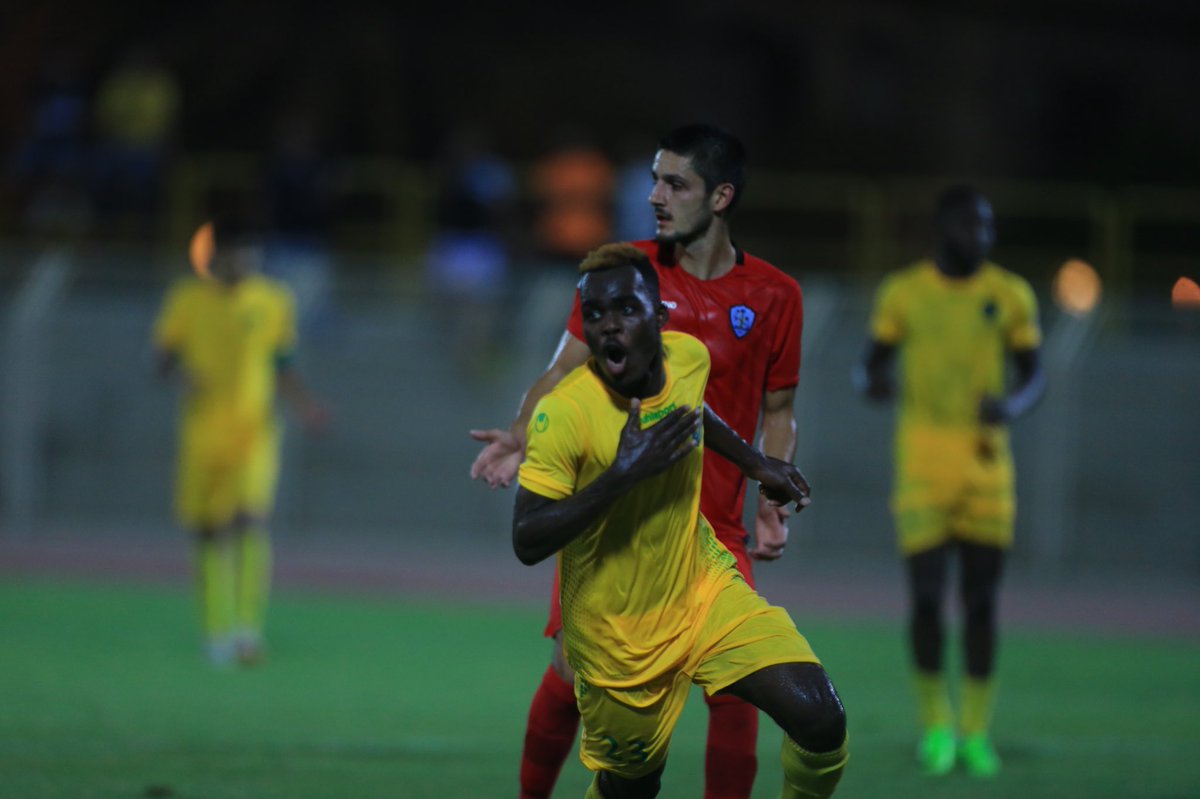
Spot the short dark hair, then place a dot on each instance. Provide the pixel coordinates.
(717, 156)
(234, 230)
(953, 198)
(614, 256)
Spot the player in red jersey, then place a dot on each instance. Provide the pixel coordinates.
(749, 314)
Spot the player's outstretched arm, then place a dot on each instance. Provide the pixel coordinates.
(542, 526)
(779, 480)
(778, 441)
(313, 414)
(497, 463)
(1029, 387)
(873, 377)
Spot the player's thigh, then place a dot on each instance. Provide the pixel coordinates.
(987, 513)
(205, 497)
(742, 634)
(256, 477)
(927, 571)
(628, 731)
(980, 569)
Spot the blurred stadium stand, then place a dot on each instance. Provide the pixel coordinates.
(1107, 466)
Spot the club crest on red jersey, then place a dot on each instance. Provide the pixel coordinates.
(741, 319)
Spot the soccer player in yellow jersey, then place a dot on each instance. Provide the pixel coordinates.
(230, 339)
(651, 600)
(954, 320)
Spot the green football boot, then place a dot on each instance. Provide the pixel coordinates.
(936, 751)
(979, 757)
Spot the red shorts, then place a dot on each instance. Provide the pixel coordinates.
(736, 546)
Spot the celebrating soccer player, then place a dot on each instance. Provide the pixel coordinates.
(231, 339)
(651, 601)
(953, 319)
(749, 315)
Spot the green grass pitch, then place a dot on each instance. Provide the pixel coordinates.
(103, 693)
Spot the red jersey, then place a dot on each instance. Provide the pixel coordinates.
(750, 319)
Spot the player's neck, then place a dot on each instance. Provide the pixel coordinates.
(953, 267)
(709, 257)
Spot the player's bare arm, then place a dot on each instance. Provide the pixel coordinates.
(778, 440)
(542, 526)
(313, 415)
(874, 378)
(1028, 388)
(498, 461)
(779, 480)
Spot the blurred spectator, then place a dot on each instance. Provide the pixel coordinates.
(467, 265)
(573, 193)
(300, 212)
(137, 110)
(49, 167)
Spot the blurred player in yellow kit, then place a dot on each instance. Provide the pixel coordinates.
(651, 600)
(231, 340)
(955, 319)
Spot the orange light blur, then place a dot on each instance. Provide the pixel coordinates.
(1185, 294)
(200, 251)
(1076, 288)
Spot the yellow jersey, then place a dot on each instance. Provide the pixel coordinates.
(230, 341)
(953, 334)
(636, 585)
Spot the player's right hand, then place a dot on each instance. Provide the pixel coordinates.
(498, 462)
(644, 453)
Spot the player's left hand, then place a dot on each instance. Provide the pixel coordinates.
(781, 482)
(770, 529)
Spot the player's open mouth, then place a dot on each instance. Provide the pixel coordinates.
(614, 358)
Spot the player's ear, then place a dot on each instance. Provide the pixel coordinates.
(662, 314)
(721, 197)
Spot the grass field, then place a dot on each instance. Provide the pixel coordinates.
(103, 694)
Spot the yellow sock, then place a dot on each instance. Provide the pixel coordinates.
(593, 791)
(254, 579)
(811, 775)
(933, 700)
(216, 577)
(977, 697)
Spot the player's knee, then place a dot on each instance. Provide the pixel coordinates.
(927, 608)
(979, 607)
(827, 729)
(820, 724)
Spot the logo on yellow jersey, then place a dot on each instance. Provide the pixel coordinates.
(541, 422)
(651, 417)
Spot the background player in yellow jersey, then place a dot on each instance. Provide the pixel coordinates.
(231, 340)
(651, 600)
(953, 320)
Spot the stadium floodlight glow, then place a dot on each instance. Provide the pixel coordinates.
(1076, 287)
(200, 250)
(1185, 295)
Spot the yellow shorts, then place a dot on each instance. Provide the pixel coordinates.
(953, 486)
(628, 730)
(222, 475)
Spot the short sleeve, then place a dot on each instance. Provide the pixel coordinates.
(887, 318)
(553, 448)
(783, 370)
(1024, 331)
(170, 328)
